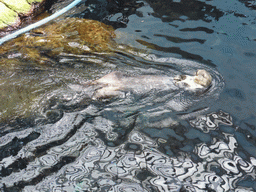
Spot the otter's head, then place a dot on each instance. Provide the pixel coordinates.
(200, 81)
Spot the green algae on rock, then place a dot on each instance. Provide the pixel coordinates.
(74, 35)
(71, 35)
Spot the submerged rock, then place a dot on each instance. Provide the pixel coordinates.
(71, 35)
(25, 83)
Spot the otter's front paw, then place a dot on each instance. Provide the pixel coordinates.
(181, 81)
(201, 80)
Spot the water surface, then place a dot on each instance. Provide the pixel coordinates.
(55, 138)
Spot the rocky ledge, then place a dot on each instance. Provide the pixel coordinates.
(13, 13)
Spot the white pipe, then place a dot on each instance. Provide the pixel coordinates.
(39, 23)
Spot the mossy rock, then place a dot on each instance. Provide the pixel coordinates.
(8, 16)
(12, 11)
(34, 1)
(21, 6)
(71, 35)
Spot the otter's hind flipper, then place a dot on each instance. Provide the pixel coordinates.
(107, 92)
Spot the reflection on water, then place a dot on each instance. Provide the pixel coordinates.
(54, 137)
(70, 156)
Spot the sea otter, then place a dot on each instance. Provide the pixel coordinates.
(117, 83)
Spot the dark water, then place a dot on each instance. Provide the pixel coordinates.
(158, 141)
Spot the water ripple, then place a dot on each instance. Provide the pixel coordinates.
(84, 162)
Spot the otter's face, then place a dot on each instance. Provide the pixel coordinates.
(202, 80)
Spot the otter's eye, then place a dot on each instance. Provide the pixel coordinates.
(203, 75)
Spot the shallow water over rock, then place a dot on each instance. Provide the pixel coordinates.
(55, 137)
